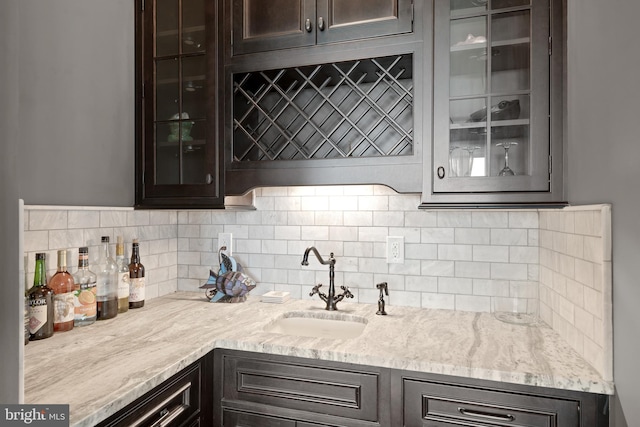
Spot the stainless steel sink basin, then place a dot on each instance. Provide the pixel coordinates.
(318, 325)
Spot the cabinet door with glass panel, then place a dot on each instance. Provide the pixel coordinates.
(179, 156)
(491, 96)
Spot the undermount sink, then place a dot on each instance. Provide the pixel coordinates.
(318, 325)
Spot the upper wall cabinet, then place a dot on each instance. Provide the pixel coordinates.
(260, 25)
(497, 123)
(177, 157)
(326, 113)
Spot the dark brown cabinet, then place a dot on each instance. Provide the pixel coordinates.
(260, 390)
(497, 123)
(439, 401)
(178, 162)
(255, 389)
(326, 113)
(181, 401)
(260, 25)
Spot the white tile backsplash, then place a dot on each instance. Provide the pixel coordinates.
(558, 261)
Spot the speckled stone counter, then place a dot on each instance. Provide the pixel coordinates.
(101, 368)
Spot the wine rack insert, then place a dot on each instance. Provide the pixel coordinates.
(349, 109)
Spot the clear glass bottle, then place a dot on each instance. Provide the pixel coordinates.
(107, 285)
(85, 291)
(123, 277)
(40, 303)
(63, 287)
(136, 278)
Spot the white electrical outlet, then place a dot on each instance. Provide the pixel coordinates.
(395, 249)
(226, 239)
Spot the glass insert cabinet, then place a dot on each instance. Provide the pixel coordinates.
(178, 65)
(492, 103)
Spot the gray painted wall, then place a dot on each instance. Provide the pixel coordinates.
(11, 348)
(603, 156)
(76, 110)
(67, 128)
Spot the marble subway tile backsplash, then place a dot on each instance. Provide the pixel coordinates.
(555, 261)
(50, 228)
(576, 280)
(456, 259)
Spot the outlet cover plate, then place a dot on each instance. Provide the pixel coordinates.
(395, 249)
(226, 239)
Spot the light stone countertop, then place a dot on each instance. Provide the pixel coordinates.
(99, 369)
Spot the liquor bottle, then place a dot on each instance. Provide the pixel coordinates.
(123, 277)
(107, 285)
(136, 278)
(40, 303)
(85, 291)
(26, 318)
(63, 287)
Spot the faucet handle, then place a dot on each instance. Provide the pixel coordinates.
(315, 290)
(347, 293)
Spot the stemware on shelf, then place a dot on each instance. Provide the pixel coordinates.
(506, 170)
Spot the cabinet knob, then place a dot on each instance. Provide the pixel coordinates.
(208, 179)
(307, 25)
(321, 23)
(440, 172)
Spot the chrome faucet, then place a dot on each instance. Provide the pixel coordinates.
(331, 299)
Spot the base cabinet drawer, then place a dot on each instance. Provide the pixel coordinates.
(177, 402)
(433, 404)
(244, 419)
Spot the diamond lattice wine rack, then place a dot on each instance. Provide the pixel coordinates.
(359, 108)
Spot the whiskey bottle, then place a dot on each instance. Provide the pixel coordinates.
(123, 277)
(107, 285)
(40, 303)
(63, 287)
(85, 291)
(136, 278)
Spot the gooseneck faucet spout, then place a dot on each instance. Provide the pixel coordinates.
(331, 298)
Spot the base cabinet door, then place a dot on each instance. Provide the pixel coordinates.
(262, 390)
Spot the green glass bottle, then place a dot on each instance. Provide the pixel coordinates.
(40, 303)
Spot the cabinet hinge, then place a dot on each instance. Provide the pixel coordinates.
(550, 45)
(142, 5)
(550, 163)
(143, 91)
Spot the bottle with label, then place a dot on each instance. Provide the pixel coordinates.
(63, 287)
(136, 278)
(40, 303)
(84, 300)
(26, 318)
(107, 285)
(123, 277)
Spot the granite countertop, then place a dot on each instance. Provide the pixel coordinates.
(99, 369)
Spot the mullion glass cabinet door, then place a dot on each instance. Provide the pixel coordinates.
(179, 153)
(491, 121)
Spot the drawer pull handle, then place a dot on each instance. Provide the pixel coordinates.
(486, 415)
(167, 416)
